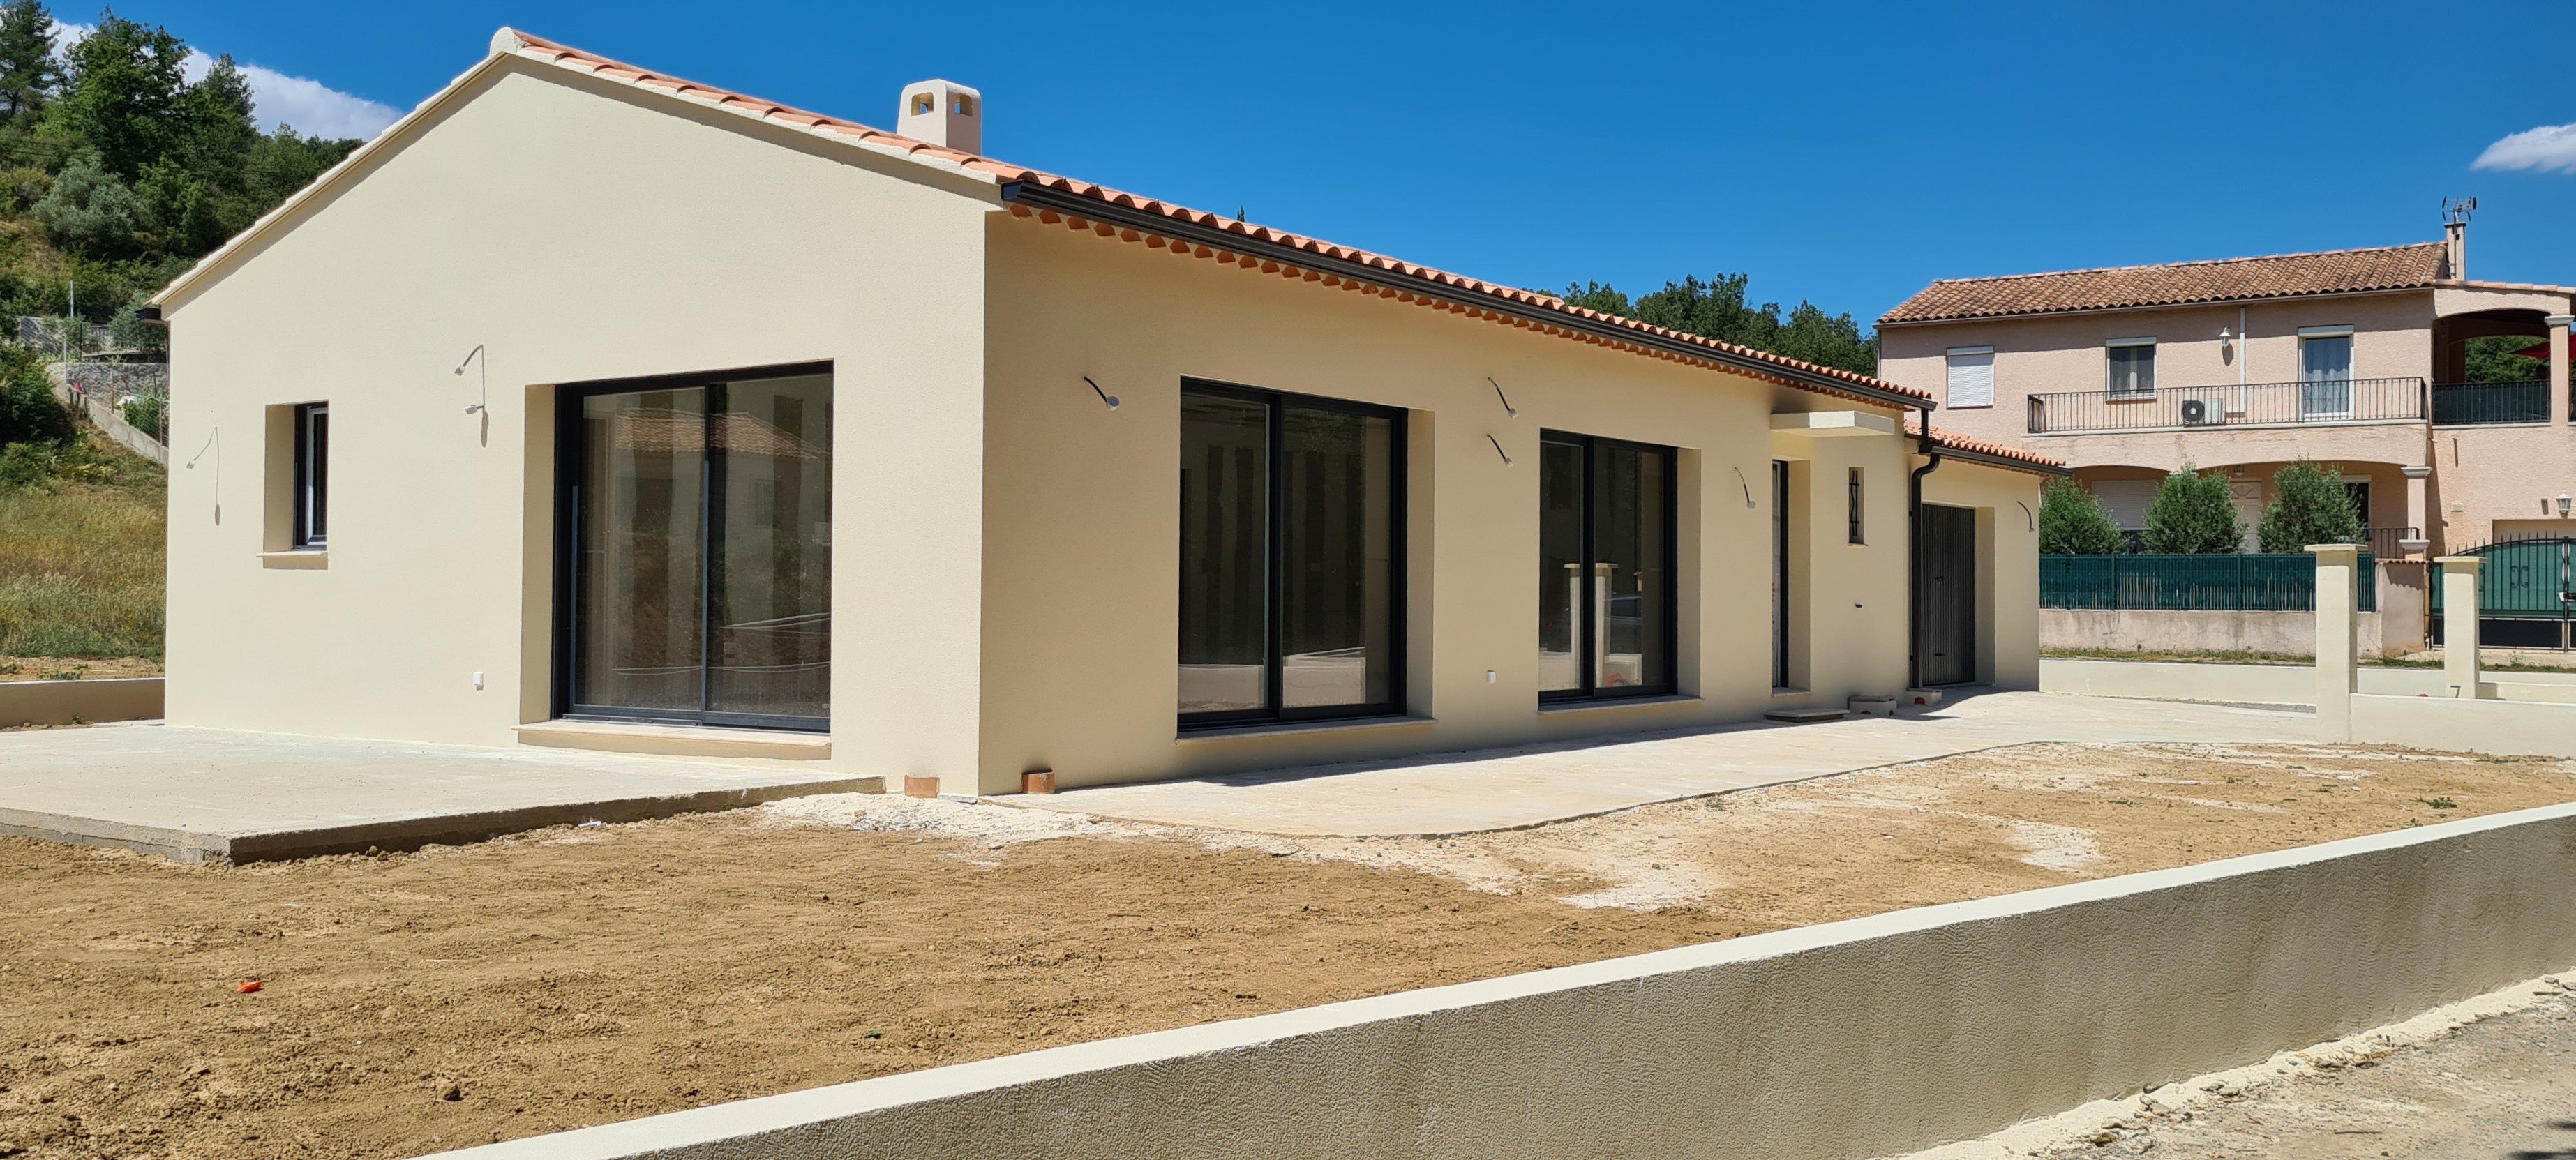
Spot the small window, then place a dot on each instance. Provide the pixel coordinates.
(2132, 365)
(312, 474)
(1971, 377)
(1853, 497)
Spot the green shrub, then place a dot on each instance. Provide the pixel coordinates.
(2195, 514)
(2073, 523)
(2310, 505)
(26, 466)
(28, 412)
(22, 187)
(149, 414)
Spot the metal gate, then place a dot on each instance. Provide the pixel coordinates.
(2527, 593)
(1946, 625)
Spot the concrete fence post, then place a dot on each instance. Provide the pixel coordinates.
(2460, 625)
(2337, 656)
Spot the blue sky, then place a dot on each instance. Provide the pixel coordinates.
(1846, 153)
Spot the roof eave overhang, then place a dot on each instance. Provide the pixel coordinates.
(2007, 462)
(1146, 222)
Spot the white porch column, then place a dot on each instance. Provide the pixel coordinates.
(2460, 625)
(2558, 366)
(2337, 656)
(2419, 515)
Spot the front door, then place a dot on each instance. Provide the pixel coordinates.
(1946, 629)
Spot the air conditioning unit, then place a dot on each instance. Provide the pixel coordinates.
(2202, 413)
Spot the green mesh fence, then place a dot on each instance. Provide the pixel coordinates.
(2285, 582)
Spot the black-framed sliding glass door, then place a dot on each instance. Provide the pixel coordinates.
(1606, 594)
(695, 550)
(1292, 564)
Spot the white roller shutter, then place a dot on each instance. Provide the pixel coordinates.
(1971, 377)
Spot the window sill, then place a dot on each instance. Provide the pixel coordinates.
(296, 558)
(676, 740)
(1291, 728)
(1786, 691)
(1546, 708)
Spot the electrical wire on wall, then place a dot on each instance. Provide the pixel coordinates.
(214, 443)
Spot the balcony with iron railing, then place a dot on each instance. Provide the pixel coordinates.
(2309, 403)
(2484, 404)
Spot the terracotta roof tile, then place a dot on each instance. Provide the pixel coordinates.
(538, 49)
(2176, 284)
(1955, 441)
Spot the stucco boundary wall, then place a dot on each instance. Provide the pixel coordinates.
(1862, 1038)
(2478, 726)
(79, 702)
(2278, 684)
(2178, 631)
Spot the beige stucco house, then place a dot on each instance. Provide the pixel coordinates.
(2351, 357)
(591, 407)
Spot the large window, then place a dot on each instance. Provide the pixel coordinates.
(1605, 567)
(312, 475)
(697, 531)
(2132, 364)
(1292, 572)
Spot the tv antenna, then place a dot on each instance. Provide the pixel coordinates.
(2456, 210)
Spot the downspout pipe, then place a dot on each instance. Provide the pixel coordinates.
(1914, 555)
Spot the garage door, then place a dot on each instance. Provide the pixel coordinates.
(2127, 500)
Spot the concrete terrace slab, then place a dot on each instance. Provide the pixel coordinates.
(209, 795)
(1501, 789)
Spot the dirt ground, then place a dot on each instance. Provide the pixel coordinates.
(416, 1002)
(75, 669)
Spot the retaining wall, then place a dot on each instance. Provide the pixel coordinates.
(1863, 1038)
(79, 702)
(109, 420)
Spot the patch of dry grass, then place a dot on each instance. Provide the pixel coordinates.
(81, 569)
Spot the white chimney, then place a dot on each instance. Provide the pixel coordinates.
(943, 113)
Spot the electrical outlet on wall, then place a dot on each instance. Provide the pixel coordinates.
(478, 679)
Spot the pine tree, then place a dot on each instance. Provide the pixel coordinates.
(2195, 514)
(2073, 523)
(88, 210)
(212, 126)
(2310, 505)
(28, 71)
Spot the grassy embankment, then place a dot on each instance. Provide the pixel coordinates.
(81, 568)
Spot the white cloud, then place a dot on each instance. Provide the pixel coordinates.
(2549, 148)
(315, 109)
